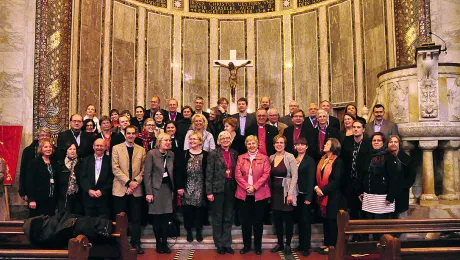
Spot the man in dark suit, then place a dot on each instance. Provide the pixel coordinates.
(310, 120)
(96, 180)
(381, 125)
(29, 153)
(155, 104)
(74, 136)
(199, 102)
(287, 119)
(265, 133)
(172, 114)
(245, 120)
(318, 136)
(332, 120)
(297, 130)
(355, 148)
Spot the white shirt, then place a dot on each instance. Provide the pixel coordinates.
(97, 169)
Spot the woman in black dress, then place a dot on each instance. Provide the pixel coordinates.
(41, 189)
(68, 183)
(284, 192)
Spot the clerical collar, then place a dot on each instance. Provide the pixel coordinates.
(226, 150)
(261, 126)
(128, 144)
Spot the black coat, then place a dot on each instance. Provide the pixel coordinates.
(180, 172)
(334, 123)
(66, 138)
(238, 144)
(28, 155)
(332, 190)
(251, 121)
(182, 127)
(166, 117)
(215, 128)
(138, 124)
(62, 181)
(289, 134)
(215, 171)
(88, 181)
(382, 180)
(270, 133)
(38, 180)
(148, 114)
(307, 177)
(312, 139)
(352, 187)
(407, 179)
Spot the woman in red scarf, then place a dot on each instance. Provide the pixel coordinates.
(328, 174)
(148, 135)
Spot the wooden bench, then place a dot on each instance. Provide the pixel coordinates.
(19, 247)
(391, 250)
(347, 227)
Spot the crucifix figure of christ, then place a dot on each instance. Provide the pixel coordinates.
(233, 65)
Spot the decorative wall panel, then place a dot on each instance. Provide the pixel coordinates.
(159, 56)
(123, 56)
(52, 70)
(305, 58)
(195, 59)
(269, 61)
(90, 54)
(232, 36)
(342, 76)
(375, 54)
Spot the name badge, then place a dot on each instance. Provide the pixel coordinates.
(51, 181)
(165, 174)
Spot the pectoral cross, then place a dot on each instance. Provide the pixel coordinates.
(233, 65)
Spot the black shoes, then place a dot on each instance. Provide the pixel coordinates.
(221, 250)
(298, 249)
(277, 248)
(258, 251)
(229, 250)
(166, 249)
(199, 236)
(306, 252)
(139, 249)
(189, 236)
(287, 250)
(244, 250)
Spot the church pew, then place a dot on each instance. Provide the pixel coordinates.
(392, 250)
(347, 227)
(17, 240)
(78, 249)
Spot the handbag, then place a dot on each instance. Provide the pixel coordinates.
(173, 228)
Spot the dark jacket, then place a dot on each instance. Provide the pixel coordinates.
(287, 119)
(66, 138)
(88, 180)
(270, 133)
(28, 155)
(312, 139)
(166, 117)
(289, 134)
(381, 180)
(62, 181)
(139, 124)
(407, 179)
(149, 114)
(238, 144)
(181, 167)
(332, 190)
(183, 126)
(306, 177)
(334, 123)
(250, 122)
(215, 171)
(349, 186)
(38, 179)
(215, 128)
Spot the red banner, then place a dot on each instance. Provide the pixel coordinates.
(10, 142)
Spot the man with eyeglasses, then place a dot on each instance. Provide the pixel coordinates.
(296, 131)
(264, 132)
(76, 136)
(287, 119)
(155, 104)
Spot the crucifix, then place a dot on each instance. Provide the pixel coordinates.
(232, 65)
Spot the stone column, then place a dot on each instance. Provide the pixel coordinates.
(428, 197)
(449, 195)
(408, 147)
(457, 172)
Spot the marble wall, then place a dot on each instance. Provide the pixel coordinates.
(445, 23)
(128, 50)
(17, 38)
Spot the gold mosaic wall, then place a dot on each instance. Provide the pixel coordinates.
(124, 51)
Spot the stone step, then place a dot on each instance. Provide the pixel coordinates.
(207, 230)
(268, 242)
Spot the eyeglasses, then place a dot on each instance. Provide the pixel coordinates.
(76, 121)
(89, 126)
(150, 125)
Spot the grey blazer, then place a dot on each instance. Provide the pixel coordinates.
(215, 171)
(292, 173)
(154, 169)
(388, 128)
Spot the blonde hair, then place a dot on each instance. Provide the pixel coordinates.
(42, 143)
(146, 121)
(321, 111)
(197, 134)
(222, 135)
(251, 138)
(205, 121)
(160, 138)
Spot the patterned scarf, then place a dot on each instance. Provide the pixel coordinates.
(146, 139)
(72, 186)
(323, 171)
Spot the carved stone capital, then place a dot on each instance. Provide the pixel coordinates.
(450, 145)
(428, 145)
(429, 129)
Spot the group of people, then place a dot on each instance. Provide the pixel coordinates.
(240, 166)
